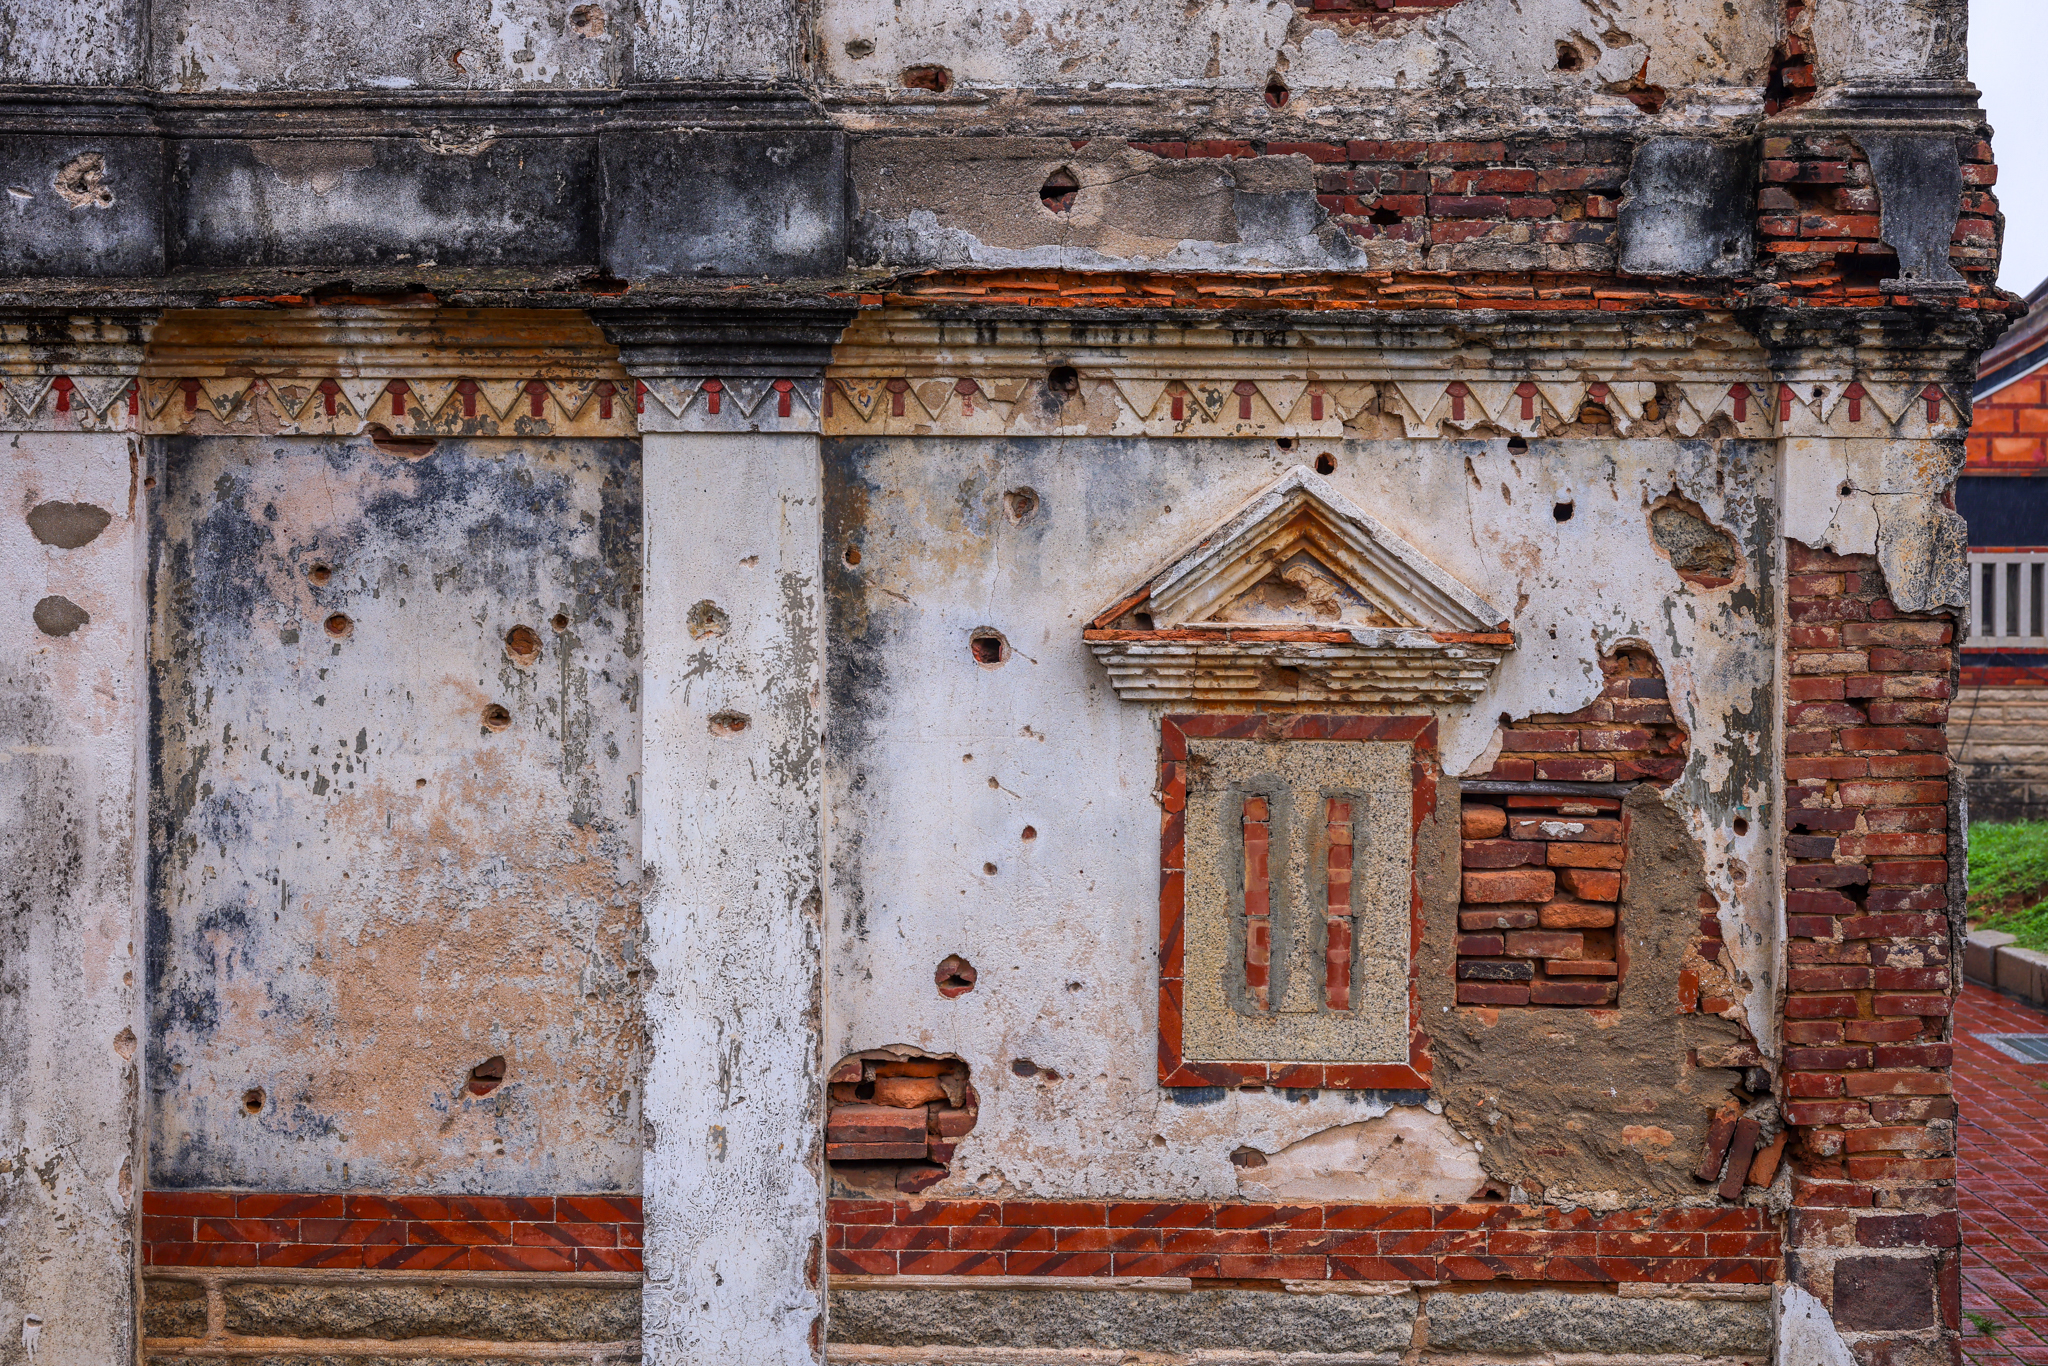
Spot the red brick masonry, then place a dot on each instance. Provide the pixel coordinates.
(392, 1232)
(1479, 1242)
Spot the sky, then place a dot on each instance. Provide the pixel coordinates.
(2009, 63)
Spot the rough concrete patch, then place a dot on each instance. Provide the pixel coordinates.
(82, 182)
(1132, 1320)
(396, 1312)
(1407, 1156)
(67, 526)
(1547, 1321)
(57, 615)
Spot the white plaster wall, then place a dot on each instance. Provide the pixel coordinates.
(731, 828)
(70, 725)
(1239, 43)
(938, 763)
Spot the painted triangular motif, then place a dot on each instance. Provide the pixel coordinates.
(1302, 555)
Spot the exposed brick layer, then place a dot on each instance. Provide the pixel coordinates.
(392, 1232)
(1867, 1048)
(1819, 217)
(1479, 1242)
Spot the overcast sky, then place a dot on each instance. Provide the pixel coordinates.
(2008, 47)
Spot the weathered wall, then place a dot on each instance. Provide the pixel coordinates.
(1998, 737)
(70, 707)
(735, 1201)
(394, 755)
(939, 762)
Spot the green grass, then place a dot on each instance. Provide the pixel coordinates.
(2009, 880)
(1988, 1327)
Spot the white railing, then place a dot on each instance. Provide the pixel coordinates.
(2008, 601)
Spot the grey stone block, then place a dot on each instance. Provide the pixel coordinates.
(173, 1309)
(1979, 952)
(1547, 1321)
(2022, 972)
(1134, 1320)
(398, 1312)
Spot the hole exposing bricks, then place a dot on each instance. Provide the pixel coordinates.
(487, 1075)
(937, 79)
(523, 644)
(1057, 194)
(955, 976)
(728, 722)
(894, 1117)
(987, 646)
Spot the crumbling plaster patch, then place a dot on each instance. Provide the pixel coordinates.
(1883, 498)
(361, 889)
(69, 914)
(1236, 43)
(935, 764)
(1407, 1155)
(1879, 40)
(71, 42)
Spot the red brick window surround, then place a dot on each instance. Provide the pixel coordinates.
(1337, 990)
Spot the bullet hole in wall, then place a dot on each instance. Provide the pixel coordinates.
(523, 644)
(559, 621)
(936, 79)
(993, 783)
(1569, 57)
(1058, 191)
(1024, 1067)
(1019, 504)
(339, 625)
(404, 447)
(1517, 446)
(1741, 826)
(853, 555)
(67, 526)
(496, 718)
(1285, 443)
(1251, 1159)
(728, 722)
(1030, 832)
(1064, 380)
(1277, 93)
(706, 618)
(252, 1100)
(1326, 463)
(487, 1075)
(320, 573)
(59, 616)
(955, 976)
(587, 21)
(1384, 217)
(1561, 510)
(1845, 490)
(860, 47)
(989, 869)
(1143, 620)
(894, 1117)
(987, 646)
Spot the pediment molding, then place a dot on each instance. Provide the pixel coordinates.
(1301, 595)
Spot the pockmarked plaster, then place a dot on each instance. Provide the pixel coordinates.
(937, 763)
(735, 852)
(396, 740)
(70, 933)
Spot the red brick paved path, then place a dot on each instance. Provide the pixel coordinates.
(2002, 1137)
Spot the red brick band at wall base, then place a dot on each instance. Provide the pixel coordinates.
(392, 1232)
(1732, 1245)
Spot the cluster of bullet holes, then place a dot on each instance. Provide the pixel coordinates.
(955, 976)
(936, 79)
(487, 1076)
(894, 1117)
(987, 646)
(1057, 194)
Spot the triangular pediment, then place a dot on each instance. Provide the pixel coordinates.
(1302, 556)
